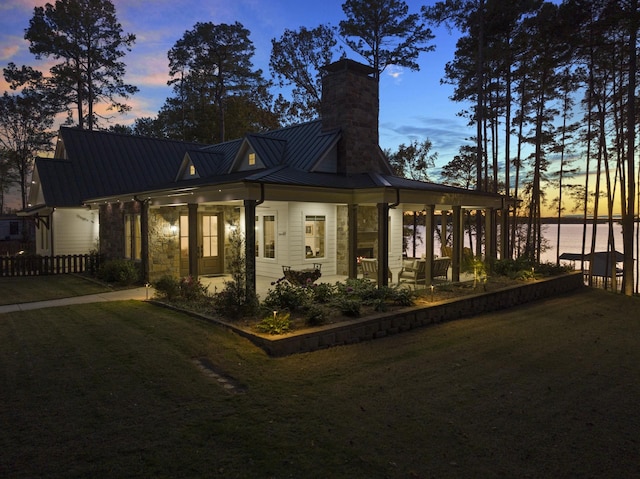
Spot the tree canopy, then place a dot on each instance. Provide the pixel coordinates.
(296, 60)
(385, 33)
(217, 92)
(86, 36)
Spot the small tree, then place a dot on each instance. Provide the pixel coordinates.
(233, 302)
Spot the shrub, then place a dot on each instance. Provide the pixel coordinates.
(167, 287)
(402, 296)
(323, 292)
(119, 271)
(314, 316)
(348, 305)
(233, 302)
(191, 289)
(275, 323)
(287, 296)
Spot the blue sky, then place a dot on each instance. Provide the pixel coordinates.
(413, 105)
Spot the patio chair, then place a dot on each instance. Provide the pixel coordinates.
(440, 267)
(370, 269)
(413, 271)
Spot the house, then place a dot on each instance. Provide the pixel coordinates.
(16, 234)
(319, 192)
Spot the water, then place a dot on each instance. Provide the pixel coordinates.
(570, 240)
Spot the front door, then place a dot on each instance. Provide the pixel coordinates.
(210, 244)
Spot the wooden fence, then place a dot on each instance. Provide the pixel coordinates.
(47, 265)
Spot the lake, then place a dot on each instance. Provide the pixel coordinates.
(570, 240)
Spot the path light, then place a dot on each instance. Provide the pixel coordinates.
(432, 293)
(147, 286)
(275, 313)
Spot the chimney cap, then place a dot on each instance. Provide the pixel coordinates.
(347, 64)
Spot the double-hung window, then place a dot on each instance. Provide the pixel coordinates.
(315, 236)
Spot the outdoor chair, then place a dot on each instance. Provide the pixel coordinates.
(413, 271)
(370, 269)
(440, 267)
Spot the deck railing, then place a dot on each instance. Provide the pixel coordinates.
(48, 265)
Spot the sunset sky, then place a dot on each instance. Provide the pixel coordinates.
(413, 105)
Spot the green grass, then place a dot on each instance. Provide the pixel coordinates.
(25, 289)
(110, 390)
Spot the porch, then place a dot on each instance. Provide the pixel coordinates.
(264, 283)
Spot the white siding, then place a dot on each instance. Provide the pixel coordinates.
(297, 254)
(75, 230)
(272, 267)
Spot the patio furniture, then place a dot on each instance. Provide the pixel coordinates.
(440, 267)
(301, 277)
(413, 271)
(370, 269)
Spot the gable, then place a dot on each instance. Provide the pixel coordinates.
(256, 153)
(188, 170)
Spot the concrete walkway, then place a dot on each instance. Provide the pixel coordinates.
(122, 295)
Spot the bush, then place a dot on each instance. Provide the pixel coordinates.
(314, 316)
(348, 305)
(167, 287)
(119, 271)
(323, 292)
(275, 323)
(191, 289)
(286, 296)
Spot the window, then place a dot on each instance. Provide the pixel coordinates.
(269, 236)
(192, 170)
(252, 159)
(184, 237)
(132, 237)
(314, 237)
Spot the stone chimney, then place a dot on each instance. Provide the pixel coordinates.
(350, 102)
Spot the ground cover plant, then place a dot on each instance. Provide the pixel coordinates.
(25, 289)
(114, 390)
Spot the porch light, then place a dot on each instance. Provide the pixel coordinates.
(174, 229)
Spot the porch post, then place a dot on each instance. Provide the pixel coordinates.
(194, 253)
(383, 244)
(457, 244)
(504, 233)
(489, 237)
(444, 221)
(428, 242)
(352, 219)
(144, 240)
(250, 246)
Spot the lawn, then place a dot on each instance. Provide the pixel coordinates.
(111, 390)
(25, 289)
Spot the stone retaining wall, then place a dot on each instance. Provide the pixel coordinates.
(384, 324)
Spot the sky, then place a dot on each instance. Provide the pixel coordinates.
(413, 105)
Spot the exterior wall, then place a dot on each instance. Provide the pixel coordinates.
(74, 231)
(164, 241)
(296, 233)
(272, 267)
(164, 238)
(112, 227)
